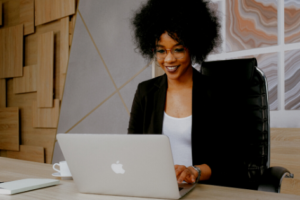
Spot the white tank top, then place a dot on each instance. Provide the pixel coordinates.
(179, 132)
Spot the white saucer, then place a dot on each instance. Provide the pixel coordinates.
(57, 174)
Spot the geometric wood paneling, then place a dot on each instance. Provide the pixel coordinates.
(49, 10)
(26, 83)
(45, 117)
(28, 134)
(27, 15)
(2, 92)
(64, 52)
(9, 128)
(11, 52)
(0, 13)
(45, 70)
(30, 153)
(64, 44)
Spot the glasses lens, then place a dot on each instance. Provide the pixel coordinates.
(178, 52)
(160, 53)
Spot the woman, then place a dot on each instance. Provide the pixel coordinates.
(176, 33)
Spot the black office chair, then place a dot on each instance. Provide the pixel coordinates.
(239, 88)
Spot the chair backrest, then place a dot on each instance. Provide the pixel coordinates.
(242, 89)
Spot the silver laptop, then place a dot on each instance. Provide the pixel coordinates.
(125, 165)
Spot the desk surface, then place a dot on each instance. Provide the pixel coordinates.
(11, 169)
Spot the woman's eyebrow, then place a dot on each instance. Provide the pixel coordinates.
(178, 44)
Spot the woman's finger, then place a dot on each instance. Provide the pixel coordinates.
(183, 175)
(179, 170)
(190, 178)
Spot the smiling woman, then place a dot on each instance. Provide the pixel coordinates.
(173, 58)
(176, 34)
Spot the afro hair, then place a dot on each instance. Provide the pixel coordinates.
(191, 22)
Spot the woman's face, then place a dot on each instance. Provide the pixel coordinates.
(173, 58)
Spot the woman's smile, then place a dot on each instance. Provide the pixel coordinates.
(172, 69)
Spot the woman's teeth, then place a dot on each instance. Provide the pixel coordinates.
(171, 68)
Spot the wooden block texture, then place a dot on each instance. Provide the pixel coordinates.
(64, 44)
(30, 153)
(0, 13)
(45, 70)
(49, 10)
(9, 128)
(11, 52)
(2, 93)
(26, 83)
(45, 117)
(27, 15)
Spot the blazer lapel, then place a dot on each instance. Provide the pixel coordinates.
(159, 104)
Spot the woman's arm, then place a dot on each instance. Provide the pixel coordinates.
(189, 174)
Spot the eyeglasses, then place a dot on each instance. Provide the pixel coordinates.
(178, 52)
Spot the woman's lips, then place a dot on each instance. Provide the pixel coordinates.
(172, 68)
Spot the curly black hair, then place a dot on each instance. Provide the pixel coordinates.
(190, 22)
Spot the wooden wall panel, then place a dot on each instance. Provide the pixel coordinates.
(0, 13)
(26, 83)
(30, 153)
(45, 70)
(285, 152)
(64, 52)
(49, 10)
(45, 117)
(27, 15)
(29, 135)
(11, 13)
(2, 93)
(9, 128)
(11, 51)
(44, 137)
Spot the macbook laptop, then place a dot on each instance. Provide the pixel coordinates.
(121, 164)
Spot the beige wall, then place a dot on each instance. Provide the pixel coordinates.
(104, 70)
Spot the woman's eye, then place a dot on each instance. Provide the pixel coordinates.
(160, 51)
(179, 50)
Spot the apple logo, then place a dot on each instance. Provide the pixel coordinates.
(117, 168)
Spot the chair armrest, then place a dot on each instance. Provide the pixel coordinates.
(272, 178)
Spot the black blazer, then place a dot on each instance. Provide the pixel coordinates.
(208, 146)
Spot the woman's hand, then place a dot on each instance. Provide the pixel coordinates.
(187, 174)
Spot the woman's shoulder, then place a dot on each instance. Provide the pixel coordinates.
(152, 84)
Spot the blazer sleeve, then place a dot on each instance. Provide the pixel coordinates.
(136, 114)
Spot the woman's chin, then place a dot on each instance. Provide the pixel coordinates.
(172, 76)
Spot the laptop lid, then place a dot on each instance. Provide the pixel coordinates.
(126, 165)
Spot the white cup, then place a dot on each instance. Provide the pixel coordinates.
(63, 168)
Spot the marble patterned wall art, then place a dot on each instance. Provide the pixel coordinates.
(250, 24)
(291, 21)
(292, 80)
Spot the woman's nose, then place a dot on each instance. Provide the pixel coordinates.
(169, 57)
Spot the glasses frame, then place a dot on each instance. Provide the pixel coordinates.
(185, 50)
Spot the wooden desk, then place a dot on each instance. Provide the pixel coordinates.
(11, 169)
